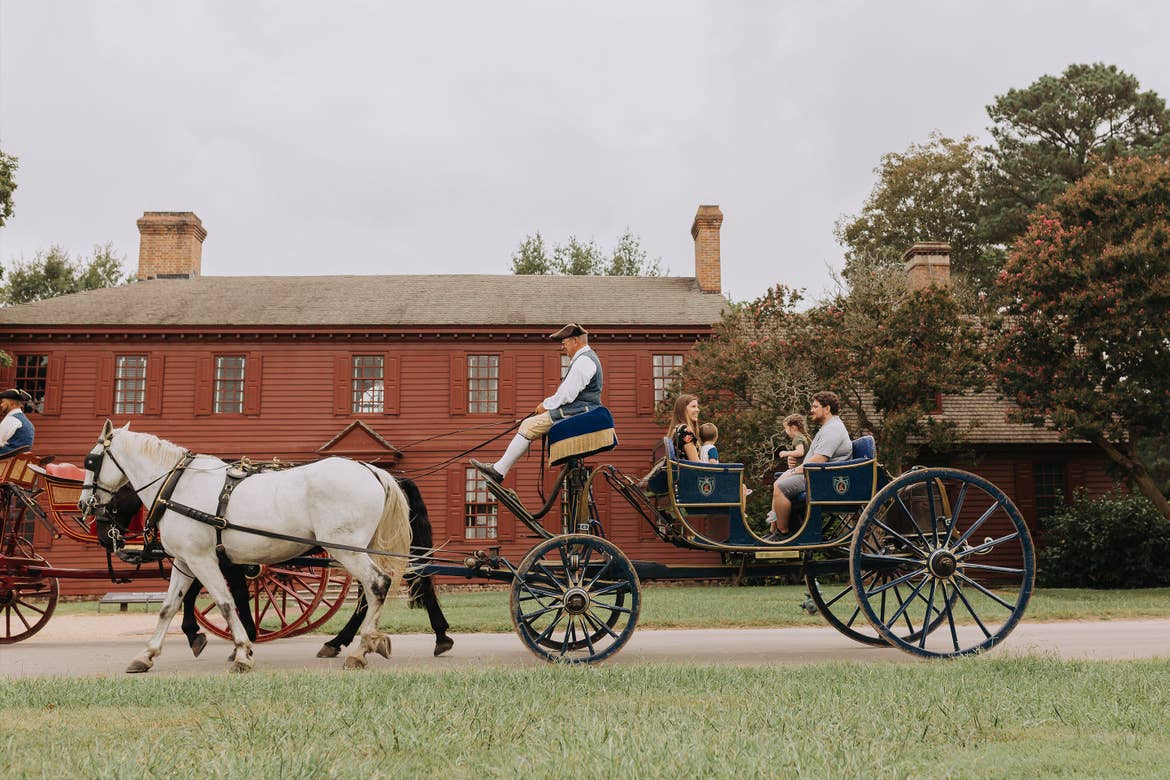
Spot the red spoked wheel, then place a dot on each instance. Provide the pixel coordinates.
(336, 592)
(26, 601)
(283, 600)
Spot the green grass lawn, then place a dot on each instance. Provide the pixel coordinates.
(972, 718)
(716, 606)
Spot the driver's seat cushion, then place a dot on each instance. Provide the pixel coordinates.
(581, 435)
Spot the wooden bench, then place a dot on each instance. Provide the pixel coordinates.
(124, 600)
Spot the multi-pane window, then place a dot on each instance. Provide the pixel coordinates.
(566, 361)
(480, 511)
(229, 384)
(32, 373)
(1048, 480)
(368, 387)
(130, 384)
(483, 384)
(664, 368)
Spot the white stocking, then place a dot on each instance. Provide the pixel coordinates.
(515, 451)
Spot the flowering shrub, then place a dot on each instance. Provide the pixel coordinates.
(1115, 541)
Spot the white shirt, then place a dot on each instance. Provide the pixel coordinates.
(581, 370)
(10, 425)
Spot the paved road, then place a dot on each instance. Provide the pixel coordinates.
(90, 646)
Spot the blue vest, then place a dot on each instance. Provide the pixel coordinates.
(23, 436)
(590, 395)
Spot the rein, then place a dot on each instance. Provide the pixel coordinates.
(428, 470)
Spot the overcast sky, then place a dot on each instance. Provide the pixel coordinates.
(378, 137)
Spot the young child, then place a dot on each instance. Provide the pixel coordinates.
(794, 427)
(708, 435)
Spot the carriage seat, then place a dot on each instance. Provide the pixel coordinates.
(66, 471)
(581, 435)
(694, 484)
(844, 481)
(15, 467)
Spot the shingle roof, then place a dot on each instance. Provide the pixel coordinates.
(382, 301)
(982, 418)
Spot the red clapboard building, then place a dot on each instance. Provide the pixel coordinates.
(369, 367)
(409, 371)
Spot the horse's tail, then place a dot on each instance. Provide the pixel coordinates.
(422, 537)
(393, 533)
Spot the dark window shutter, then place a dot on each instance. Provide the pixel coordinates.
(604, 384)
(644, 377)
(458, 383)
(507, 385)
(392, 384)
(552, 373)
(1026, 492)
(1074, 479)
(8, 376)
(456, 496)
(103, 400)
(54, 378)
(155, 370)
(343, 385)
(253, 378)
(204, 384)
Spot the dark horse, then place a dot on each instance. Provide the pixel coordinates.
(125, 504)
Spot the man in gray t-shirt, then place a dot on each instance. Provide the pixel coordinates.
(832, 443)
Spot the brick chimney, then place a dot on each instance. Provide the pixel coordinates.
(705, 231)
(170, 245)
(928, 263)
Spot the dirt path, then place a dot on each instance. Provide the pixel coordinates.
(102, 645)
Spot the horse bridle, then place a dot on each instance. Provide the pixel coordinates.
(93, 463)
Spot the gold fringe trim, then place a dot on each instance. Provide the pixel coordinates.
(586, 442)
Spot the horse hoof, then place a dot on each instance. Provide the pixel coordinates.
(328, 651)
(198, 642)
(443, 645)
(241, 667)
(138, 666)
(382, 646)
(355, 662)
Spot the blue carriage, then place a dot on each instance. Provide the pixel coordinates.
(935, 561)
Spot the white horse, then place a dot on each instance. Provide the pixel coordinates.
(330, 501)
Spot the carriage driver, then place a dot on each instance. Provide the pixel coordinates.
(16, 430)
(579, 392)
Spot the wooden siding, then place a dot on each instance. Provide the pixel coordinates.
(296, 400)
(297, 396)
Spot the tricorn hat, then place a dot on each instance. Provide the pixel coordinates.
(570, 330)
(16, 395)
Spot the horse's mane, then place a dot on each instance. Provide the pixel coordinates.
(153, 446)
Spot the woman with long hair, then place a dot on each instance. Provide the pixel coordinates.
(684, 427)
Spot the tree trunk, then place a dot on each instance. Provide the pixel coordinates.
(1136, 469)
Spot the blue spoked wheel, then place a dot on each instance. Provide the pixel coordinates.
(575, 599)
(944, 550)
(830, 589)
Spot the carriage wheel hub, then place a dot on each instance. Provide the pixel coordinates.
(576, 601)
(943, 563)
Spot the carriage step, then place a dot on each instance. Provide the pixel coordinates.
(776, 555)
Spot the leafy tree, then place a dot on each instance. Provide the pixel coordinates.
(54, 273)
(531, 257)
(584, 258)
(1084, 347)
(8, 166)
(930, 192)
(749, 377)
(890, 352)
(1055, 131)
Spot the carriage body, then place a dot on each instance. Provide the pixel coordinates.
(936, 561)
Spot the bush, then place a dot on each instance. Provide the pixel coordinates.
(1118, 540)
